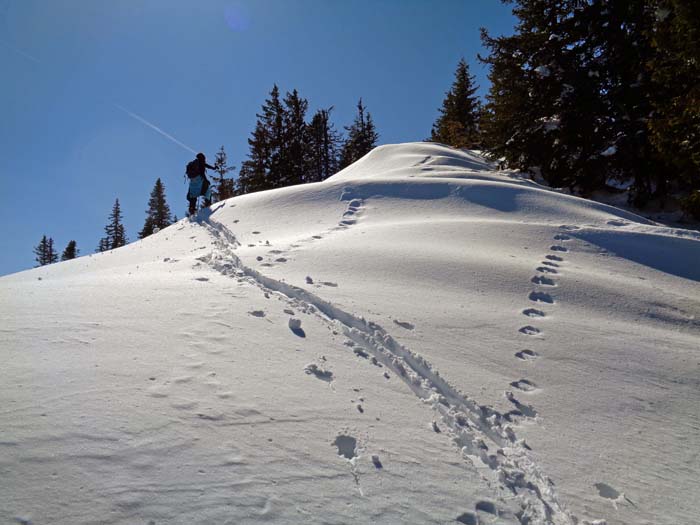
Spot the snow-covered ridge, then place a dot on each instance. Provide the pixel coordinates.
(421, 338)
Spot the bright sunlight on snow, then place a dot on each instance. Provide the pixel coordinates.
(421, 338)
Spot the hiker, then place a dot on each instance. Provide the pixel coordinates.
(199, 184)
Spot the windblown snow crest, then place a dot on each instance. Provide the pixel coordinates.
(484, 436)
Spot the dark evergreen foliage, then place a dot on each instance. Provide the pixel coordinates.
(158, 214)
(71, 251)
(323, 147)
(115, 234)
(587, 91)
(263, 169)
(458, 123)
(675, 69)
(224, 188)
(362, 137)
(45, 252)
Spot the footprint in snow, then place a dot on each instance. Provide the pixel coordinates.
(281, 259)
(534, 312)
(347, 446)
(614, 495)
(530, 330)
(328, 283)
(202, 279)
(541, 297)
(404, 324)
(521, 409)
(255, 233)
(317, 237)
(468, 518)
(295, 327)
(546, 269)
(561, 237)
(527, 355)
(543, 281)
(558, 248)
(525, 385)
(319, 373)
(618, 223)
(257, 313)
(554, 258)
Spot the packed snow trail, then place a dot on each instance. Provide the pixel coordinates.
(483, 434)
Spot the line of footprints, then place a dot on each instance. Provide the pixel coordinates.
(544, 280)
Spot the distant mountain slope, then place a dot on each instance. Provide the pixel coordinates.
(419, 339)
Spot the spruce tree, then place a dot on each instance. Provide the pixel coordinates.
(44, 252)
(458, 123)
(323, 145)
(263, 169)
(675, 70)
(224, 188)
(362, 137)
(71, 251)
(115, 234)
(158, 213)
(294, 145)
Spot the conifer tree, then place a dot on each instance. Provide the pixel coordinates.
(323, 147)
(458, 123)
(44, 252)
(294, 147)
(362, 137)
(158, 213)
(115, 234)
(675, 69)
(71, 251)
(263, 169)
(224, 188)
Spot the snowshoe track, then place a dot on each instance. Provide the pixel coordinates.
(484, 435)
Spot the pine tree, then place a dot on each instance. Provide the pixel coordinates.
(263, 169)
(675, 69)
(71, 251)
(158, 213)
(458, 123)
(44, 252)
(362, 137)
(323, 145)
(115, 234)
(294, 146)
(224, 188)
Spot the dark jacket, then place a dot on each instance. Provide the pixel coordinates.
(202, 167)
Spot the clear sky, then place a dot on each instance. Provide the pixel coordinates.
(82, 78)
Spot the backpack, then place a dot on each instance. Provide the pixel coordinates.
(192, 169)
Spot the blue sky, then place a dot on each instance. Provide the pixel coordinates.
(198, 70)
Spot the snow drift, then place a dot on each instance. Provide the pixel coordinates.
(419, 339)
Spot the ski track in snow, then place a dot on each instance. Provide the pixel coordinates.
(485, 436)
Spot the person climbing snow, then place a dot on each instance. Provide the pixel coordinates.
(199, 184)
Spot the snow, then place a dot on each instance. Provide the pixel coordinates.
(419, 339)
(609, 152)
(543, 71)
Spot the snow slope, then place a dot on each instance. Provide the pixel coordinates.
(418, 339)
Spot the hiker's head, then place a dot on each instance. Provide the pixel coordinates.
(201, 156)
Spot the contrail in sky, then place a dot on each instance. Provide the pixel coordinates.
(155, 128)
(20, 52)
